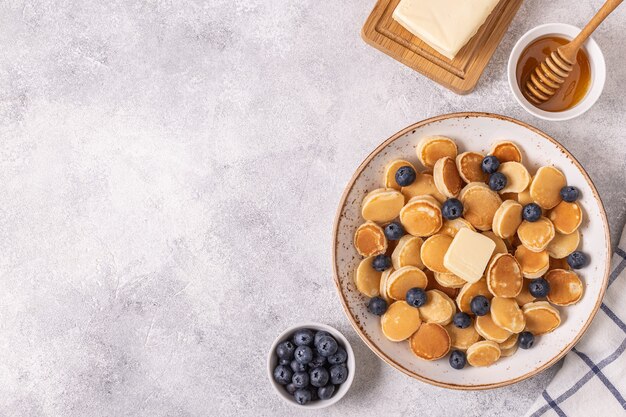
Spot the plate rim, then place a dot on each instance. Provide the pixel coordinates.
(342, 204)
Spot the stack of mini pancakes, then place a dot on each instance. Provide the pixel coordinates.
(523, 251)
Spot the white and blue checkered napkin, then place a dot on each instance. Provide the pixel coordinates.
(592, 381)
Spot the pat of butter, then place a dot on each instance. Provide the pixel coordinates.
(469, 254)
(446, 25)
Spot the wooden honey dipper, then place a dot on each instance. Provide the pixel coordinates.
(548, 76)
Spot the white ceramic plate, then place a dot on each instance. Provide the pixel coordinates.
(474, 132)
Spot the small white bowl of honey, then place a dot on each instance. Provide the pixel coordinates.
(582, 88)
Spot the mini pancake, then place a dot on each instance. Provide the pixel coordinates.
(504, 276)
(421, 216)
(469, 166)
(534, 264)
(469, 291)
(562, 245)
(510, 342)
(504, 353)
(566, 217)
(507, 219)
(382, 205)
(506, 314)
(431, 341)
(506, 151)
(382, 289)
(462, 338)
(536, 236)
(424, 184)
(524, 297)
(390, 172)
(566, 288)
(480, 204)
(403, 280)
(369, 239)
(434, 285)
(517, 177)
(449, 280)
(500, 244)
(367, 279)
(452, 227)
(447, 178)
(439, 308)
(541, 317)
(487, 328)
(483, 353)
(524, 197)
(545, 189)
(407, 252)
(400, 321)
(431, 149)
(433, 251)
(558, 264)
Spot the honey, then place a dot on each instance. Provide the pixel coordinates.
(576, 85)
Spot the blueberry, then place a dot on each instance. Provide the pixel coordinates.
(303, 337)
(569, 193)
(324, 393)
(314, 396)
(377, 306)
(338, 357)
(381, 263)
(539, 287)
(405, 176)
(303, 354)
(284, 361)
(452, 209)
(302, 396)
(327, 346)
(462, 320)
(480, 305)
(394, 231)
(285, 350)
(300, 379)
(497, 181)
(490, 164)
(297, 366)
(290, 388)
(318, 336)
(416, 297)
(282, 375)
(319, 377)
(531, 212)
(457, 359)
(338, 374)
(577, 259)
(318, 360)
(526, 340)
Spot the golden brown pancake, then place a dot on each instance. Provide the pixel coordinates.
(507, 219)
(462, 338)
(390, 172)
(434, 285)
(541, 317)
(480, 205)
(369, 239)
(407, 252)
(469, 291)
(483, 353)
(421, 216)
(382, 289)
(403, 280)
(469, 166)
(517, 177)
(447, 178)
(566, 288)
(366, 278)
(562, 245)
(534, 264)
(506, 314)
(566, 217)
(504, 276)
(524, 297)
(506, 151)
(400, 321)
(545, 189)
(431, 149)
(439, 308)
(382, 205)
(510, 342)
(500, 244)
(449, 280)
(433, 251)
(487, 328)
(424, 184)
(536, 236)
(431, 341)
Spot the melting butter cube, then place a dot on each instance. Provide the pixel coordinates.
(469, 254)
(446, 25)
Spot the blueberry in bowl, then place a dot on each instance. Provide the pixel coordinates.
(311, 365)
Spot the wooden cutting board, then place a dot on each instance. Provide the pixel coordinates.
(460, 74)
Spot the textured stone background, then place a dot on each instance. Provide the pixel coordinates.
(169, 173)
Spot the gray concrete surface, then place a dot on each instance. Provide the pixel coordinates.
(169, 173)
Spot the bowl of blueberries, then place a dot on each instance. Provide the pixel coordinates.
(311, 365)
